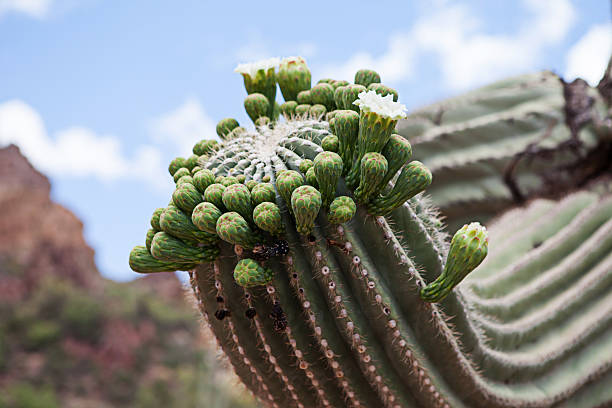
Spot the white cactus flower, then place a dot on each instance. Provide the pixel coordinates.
(370, 101)
(251, 68)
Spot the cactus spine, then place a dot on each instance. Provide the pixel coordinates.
(319, 301)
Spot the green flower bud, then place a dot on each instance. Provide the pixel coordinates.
(233, 228)
(251, 183)
(205, 217)
(302, 110)
(241, 178)
(328, 169)
(413, 179)
(195, 170)
(202, 179)
(176, 164)
(237, 197)
(150, 234)
(183, 171)
(286, 182)
(366, 77)
(191, 162)
(305, 164)
(186, 197)
(293, 77)
(304, 98)
(339, 97)
(256, 105)
(235, 133)
(468, 249)
(330, 143)
(205, 146)
(341, 210)
(306, 203)
(267, 216)
(175, 222)
(142, 261)
(339, 82)
(323, 94)
(249, 273)
(350, 95)
(346, 128)
(229, 180)
(397, 151)
(288, 108)
(373, 169)
(219, 179)
(165, 247)
(225, 126)
(262, 121)
(311, 178)
(383, 90)
(155, 219)
(214, 194)
(184, 180)
(329, 116)
(317, 110)
(263, 192)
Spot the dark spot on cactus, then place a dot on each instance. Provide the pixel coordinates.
(250, 312)
(311, 239)
(262, 252)
(247, 295)
(220, 299)
(301, 290)
(537, 244)
(386, 311)
(295, 275)
(278, 316)
(222, 313)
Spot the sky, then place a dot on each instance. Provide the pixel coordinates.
(101, 95)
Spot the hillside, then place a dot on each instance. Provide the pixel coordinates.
(70, 338)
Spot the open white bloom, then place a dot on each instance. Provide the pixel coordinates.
(251, 68)
(370, 101)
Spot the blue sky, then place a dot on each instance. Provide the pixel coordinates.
(102, 95)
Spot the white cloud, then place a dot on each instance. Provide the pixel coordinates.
(467, 55)
(33, 8)
(588, 58)
(184, 126)
(75, 152)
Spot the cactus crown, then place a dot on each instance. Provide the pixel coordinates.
(311, 229)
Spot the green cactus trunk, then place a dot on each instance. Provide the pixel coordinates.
(318, 301)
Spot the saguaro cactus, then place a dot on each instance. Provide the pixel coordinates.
(328, 280)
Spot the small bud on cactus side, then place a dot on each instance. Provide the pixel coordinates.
(305, 164)
(366, 77)
(341, 210)
(304, 98)
(142, 261)
(225, 126)
(241, 178)
(249, 273)
(468, 249)
(183, 171)
(166, 247)
(323, 94)
(397, 151)
(205, 146)
(293, 77)
(302, 110)
(191, 162)
(373, 169)
(339, 97)
(175, 222)
(346, 128)
(235, 133)
(251, 184)
(229, 180)
(267, 216)
(328, 169)
(184, 180)
(237, 197)
(266, 179)
(311, 178)
(286, 182)
(330, 143)
(233, 228)
(195, 170)
(256, 106)
(176, 164)
(262, 121)
(340, 82)
(202, 179)
(288, 108)
(205, 216)
(350, 95)
(214, 194)
(306, 203)
(149, 238)
(317, 111)
(383, 90)
(263, 192)
(186, 197)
